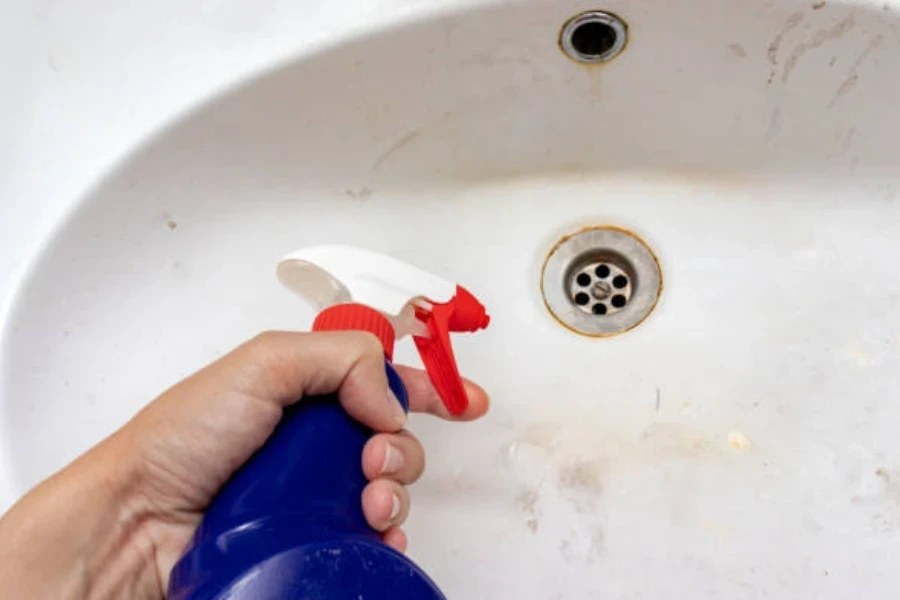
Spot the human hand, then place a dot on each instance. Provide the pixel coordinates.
(115, 522)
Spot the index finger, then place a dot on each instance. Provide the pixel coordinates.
(423, 398)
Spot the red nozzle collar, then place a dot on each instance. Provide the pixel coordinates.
(357, 317)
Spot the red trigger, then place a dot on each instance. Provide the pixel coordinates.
(463, 313)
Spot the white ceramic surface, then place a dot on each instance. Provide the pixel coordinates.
(742, 442)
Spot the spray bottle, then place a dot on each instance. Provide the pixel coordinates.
(289, 524)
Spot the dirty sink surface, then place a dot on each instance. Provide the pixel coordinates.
(739, 443)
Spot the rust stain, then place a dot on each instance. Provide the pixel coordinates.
(818, 38)
(818, 5)
(566, 238)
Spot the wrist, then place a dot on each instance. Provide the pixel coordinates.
(74, 536)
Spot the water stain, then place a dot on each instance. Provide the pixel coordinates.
(582, 475)
(793, 21)
(847, 140)
(846, 86)
(774, 124)
(527, 502)
(567, 464)
(583, 553)
(818, 39)
(361, 193)
(852, 75)
(397, 146)
(737, 50)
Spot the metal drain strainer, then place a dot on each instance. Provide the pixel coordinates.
(601, 281)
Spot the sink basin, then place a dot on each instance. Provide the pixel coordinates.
(741, 442)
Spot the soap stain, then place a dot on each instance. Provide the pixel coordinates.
(566, 464)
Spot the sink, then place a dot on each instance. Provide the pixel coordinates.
(739, 442)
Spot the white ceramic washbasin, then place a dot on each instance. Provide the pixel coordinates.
(741, 443)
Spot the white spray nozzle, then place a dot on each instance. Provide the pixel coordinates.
(333, 274)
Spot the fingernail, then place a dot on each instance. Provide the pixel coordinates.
(395, 507)
(393, 460)
(399, 413)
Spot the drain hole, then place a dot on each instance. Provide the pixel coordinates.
(594, 36)
(594, 39)
(600, 285)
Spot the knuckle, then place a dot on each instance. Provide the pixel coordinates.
(368, 343)
(264, 347)
(266, 337)
(265, 340)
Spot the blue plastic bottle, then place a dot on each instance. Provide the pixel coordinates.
(289, 524)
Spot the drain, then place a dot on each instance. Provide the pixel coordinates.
(601, 288)
(601, 281)
(593, 37)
